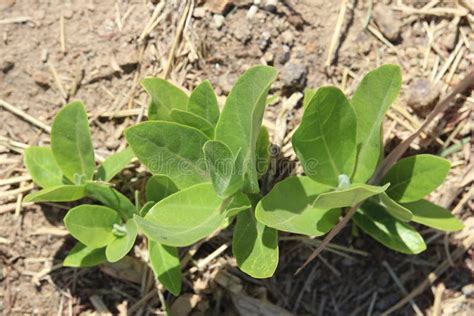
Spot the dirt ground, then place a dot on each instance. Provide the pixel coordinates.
(55, 51)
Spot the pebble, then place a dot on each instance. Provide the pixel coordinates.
(422, 94)
(282, 54)
(288, 38)
(6, 65)
(264, 41)
(218, 21)
(294, 75)
(449, 40)
(363, 42)
(242, 34)
(468, 290)
(44, 55)
(388, 24)
(68, 14)
(270, 5)
(199, 12)
(251, 12)
(41, 79)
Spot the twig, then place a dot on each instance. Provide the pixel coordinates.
(58, 81)
(438, 299)
(62, 33)
(433, 11)
(448, 62)
(337, 33)
(18, 19)
(25, 116)
(15, 180)
(153, 22)
(15, 192)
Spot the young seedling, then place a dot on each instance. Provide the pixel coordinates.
(206, 166)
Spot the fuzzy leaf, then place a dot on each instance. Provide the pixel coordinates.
(171, 149)
(165, 264)
(92, 224)
(185, 217)
(42, 167)
(393, 208)
(288, 207)
(120, 246)
(392, 233)
(81, 257)
(112, 198)
(114, 164)
(412, 178)
(239, 123)
(71, 142)
(193, 120)
(158, 187)
(374, 95)
(164, 97)
(59, 193)
(240, 202)
(350, 196)
(255, 246)
(325, 142)
(203, 102)
(224, 168)
(432, 215)
(263, 151)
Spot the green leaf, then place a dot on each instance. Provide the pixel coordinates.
(288, 207)
(185, 217)
(164, 97)
(255, 246)
(432, 215)
(203, 102)
(92, 224)
(114, 164)
(239, 124)
(165, 264)
(120, 246)
(80, 256)
(350, 196)
(71, 142)
(110, 197)
(146, 208)
(392, 233)
(325, 140)
(393, 208)
(171, 149)
(225, 168)
(42, 167)
(158, 187)
(374, 95)
(308, 95)
(412, 178)
(263, 151)
(240, 202)
(59, 193)
(193, 120)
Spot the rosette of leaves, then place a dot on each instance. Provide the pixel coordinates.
(339, 144)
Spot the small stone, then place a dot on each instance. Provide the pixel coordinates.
(44, 55)
(449, 41)
(422, 93)
(363, 42)
(270, 5)
(68, 14)
(242, 34)
(218, 6)
(468, 290)
(199, 12)
(218, 21)
(251, 12)
(112, 144)
(268, 57)
(264, 41)
(288, 38)
(41, 79)
(282, 54)
(388, 24)
(294, 75)
(6, 66)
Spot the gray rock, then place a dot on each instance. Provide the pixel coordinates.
(468, 290)
(288, 38)
(264, 41)
(422, 93)
(6, 65)
(282, 54)
(387, 22)
(218, 21)
(271, 5)
(294, 75)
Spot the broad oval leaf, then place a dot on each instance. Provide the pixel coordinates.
(392, 233)
(158, 187)
(81, 257)
(325, 142)
(239, 123)
(120, 246)
(288, 207)
(225, 169)
(371, 100)
(393, 208)
(171, 149)
(412, 178)
(113, 164)
(432, 215)
(240, 202)
(193, 120)
(112, 198)
(42, 167)
(350, 196)
(255, 246)
(263, 151)
(308, 95)
(185, 217)
(164, 97)
(166, 266)
(59, 193)
(92, 224)
(71, 142)
(146, 208)
(203, 102)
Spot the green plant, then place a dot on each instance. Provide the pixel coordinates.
(206, 167)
